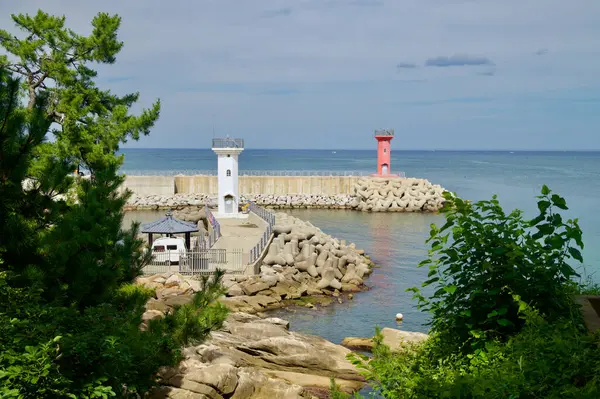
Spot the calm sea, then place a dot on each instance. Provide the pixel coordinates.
(396, 241)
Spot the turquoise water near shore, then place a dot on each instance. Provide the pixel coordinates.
(396, 241)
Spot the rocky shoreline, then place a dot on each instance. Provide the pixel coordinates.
(367, 195)
(251, 356)
(254, 356)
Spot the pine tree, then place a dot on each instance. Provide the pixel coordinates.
(55, 61)
(69, 313)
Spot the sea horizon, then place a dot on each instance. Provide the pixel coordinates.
(374, 149)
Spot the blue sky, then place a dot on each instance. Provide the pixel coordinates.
(446, 74)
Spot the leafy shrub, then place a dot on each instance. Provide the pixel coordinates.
(482, 256)
(544, 360)
(504, 323)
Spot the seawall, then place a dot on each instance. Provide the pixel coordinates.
(367, 194)
(248, 185)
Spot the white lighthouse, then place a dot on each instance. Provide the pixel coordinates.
(227, 151)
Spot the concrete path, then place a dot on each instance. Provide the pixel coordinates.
(240, 234)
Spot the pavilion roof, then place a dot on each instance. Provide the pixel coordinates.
(169, 225)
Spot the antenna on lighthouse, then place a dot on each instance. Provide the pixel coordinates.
(213, 125)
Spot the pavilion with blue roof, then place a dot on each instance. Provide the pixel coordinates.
(169, 225)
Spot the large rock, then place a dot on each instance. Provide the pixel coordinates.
(359, 344)
(252, 288)
(392, 337)
(235, 290)
(261, 359)
(180, 300)
(222, 377)
(164, 392)
(174, 281)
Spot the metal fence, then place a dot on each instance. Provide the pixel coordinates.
(302, 173)
(270, 219)
(215, 234)
(196, 262)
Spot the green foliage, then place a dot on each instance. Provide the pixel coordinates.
(188, 325)
(335, 392)
(504, 323)
(482, 256)
(587, 287)
(544, 360)
(69, 314)
(55, 62)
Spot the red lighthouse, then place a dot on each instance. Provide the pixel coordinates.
(384, 138)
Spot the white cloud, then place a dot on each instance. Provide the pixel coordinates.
(333, 64)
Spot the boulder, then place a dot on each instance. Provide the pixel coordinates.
(177, 301)
(251, 288)
(164, 392)
(152, 315)
(235, 290)
(154, 304)
(180, 381)
(174, 281)
(222, 377)
(259, 302)
(165, 293)
(360, 344)
(394, 338)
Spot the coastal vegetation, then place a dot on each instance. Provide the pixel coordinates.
(70, 315)
(504, 323)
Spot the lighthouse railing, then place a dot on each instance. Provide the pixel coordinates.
(227, 143)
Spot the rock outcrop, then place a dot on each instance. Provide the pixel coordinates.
(255, 358)
(369, 194)
(250, 357)
(392, 337)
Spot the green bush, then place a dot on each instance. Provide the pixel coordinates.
(544, 360)
(482, 256)
(504, 323)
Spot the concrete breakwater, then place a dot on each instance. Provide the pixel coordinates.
(365, 194)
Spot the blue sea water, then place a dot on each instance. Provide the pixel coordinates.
(396, 241)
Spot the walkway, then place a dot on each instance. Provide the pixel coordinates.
(241, 234)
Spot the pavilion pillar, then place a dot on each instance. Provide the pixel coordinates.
(187, 241)
(150, 239)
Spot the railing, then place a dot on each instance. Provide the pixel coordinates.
(196, 262)
(303, 173)
(264, 240)
(384, 132)
(227, 143)
(215, 234)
